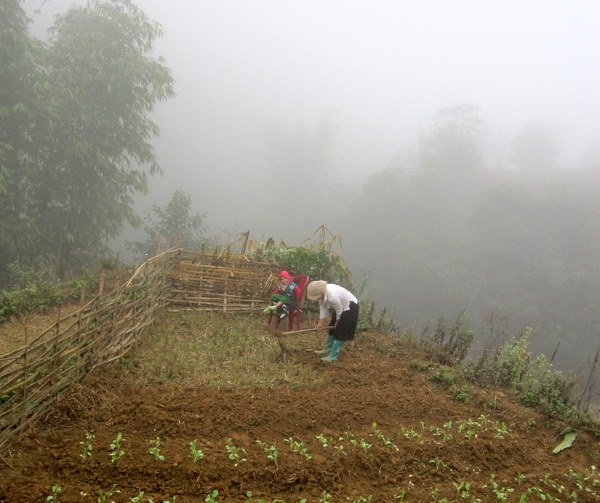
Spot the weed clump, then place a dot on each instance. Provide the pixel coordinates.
(532, 377)
(448, 343)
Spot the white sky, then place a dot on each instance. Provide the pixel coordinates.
(385, 67)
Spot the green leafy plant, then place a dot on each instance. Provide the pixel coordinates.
(155, 449)
(539, 493)
(399, 495)
(324, 441)
(386, 441)
(325, 497)
(262, 500)
(441, 432)
(520, 478)
(364, 445)
(462, 394)
(195, 453)
(298, 447)
(501, 431)
(437, 462)
(587, 482)
(499, 491)
(235, 453)
(103, 495)
(270, 450)
(463, 489)
(211, 497)
(116, 452)
(412, 435)
(87, 446)
(55, 491)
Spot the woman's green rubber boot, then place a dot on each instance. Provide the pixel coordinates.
(333, 354)
(327, 347)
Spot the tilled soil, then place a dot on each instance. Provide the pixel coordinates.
(379, 429)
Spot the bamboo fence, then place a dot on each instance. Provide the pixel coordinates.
(208, 281)
(103, 330)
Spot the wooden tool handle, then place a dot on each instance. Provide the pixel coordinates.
(304, 330)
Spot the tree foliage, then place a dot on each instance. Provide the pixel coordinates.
(23, 113)
(173, 225)
(75, 146)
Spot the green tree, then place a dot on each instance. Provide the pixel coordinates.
(23, 112)
(91, 143)
(173, 225)
(106, 84)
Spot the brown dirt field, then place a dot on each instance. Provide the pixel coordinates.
(414, 450)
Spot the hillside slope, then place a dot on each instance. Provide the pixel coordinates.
(279, 425)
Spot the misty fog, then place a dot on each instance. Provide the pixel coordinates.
(454, 146)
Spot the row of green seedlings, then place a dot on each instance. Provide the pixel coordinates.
(468, 429)
(464, 491)
(234, 453)
(546, 489)
(104, 496)
(211, 497)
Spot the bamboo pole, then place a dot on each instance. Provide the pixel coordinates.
(101, 283)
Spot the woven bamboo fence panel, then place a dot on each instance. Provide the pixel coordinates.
(98, 333)
(208, 281)
(103, 330)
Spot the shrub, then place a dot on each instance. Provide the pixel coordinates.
(38, 295)
(461, 394)
(445, 376)
(448, 344)
(533, 378)
(317, 263)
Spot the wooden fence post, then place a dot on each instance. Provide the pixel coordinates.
(58, 318)
(101, 283)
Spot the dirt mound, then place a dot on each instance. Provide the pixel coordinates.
(378, 429)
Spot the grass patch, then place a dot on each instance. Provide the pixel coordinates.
(420, 364)
(221, 351)
(446, 376)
